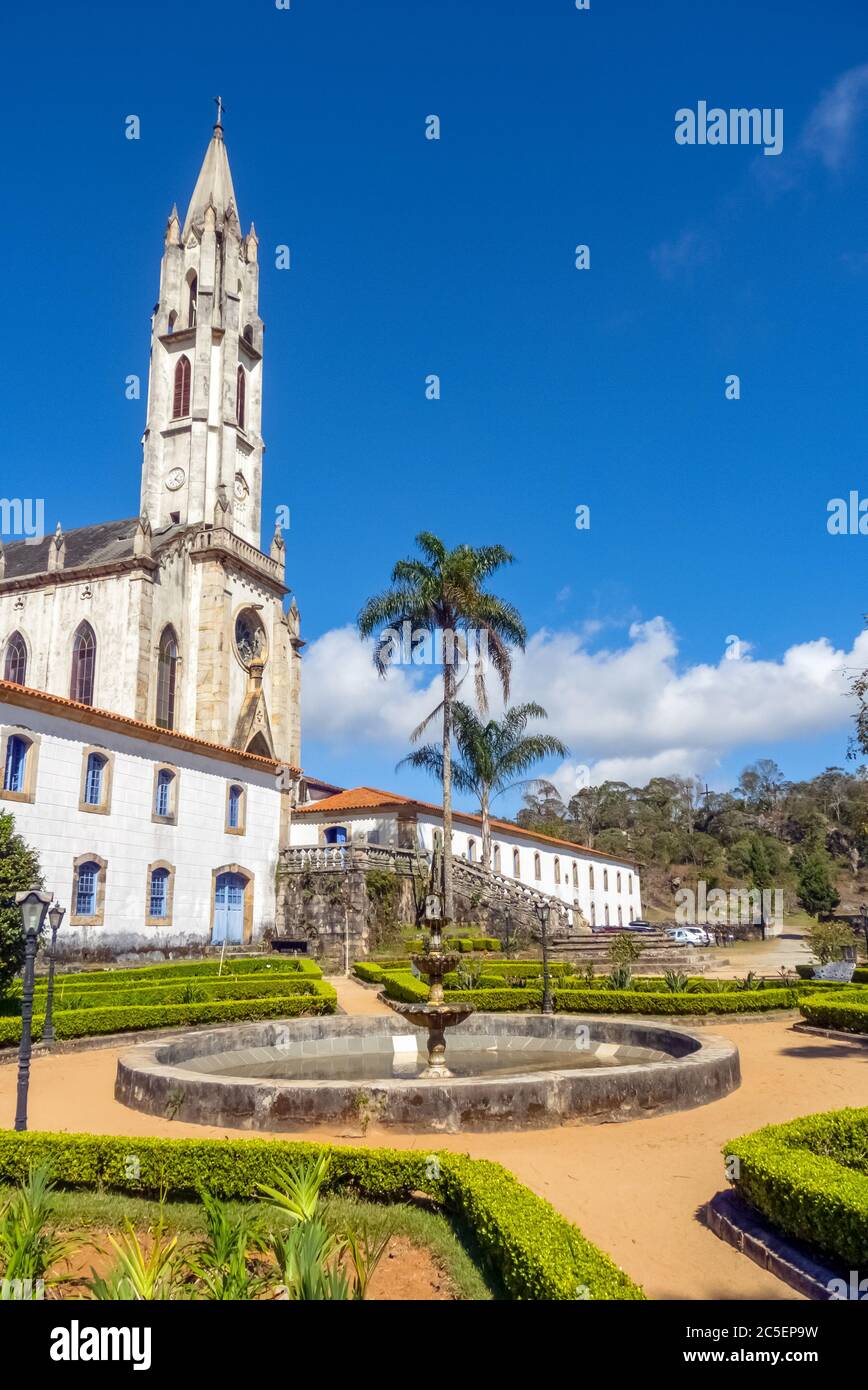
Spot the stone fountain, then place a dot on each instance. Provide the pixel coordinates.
(435, 1014)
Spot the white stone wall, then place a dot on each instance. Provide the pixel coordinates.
(616, 884)
(129, 841)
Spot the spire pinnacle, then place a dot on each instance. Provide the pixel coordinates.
(214, 184)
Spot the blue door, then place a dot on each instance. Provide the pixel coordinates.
(228, 909)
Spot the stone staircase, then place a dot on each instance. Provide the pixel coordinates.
(659, 952)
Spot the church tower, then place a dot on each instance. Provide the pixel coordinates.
(202, 443)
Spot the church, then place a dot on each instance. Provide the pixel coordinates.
(150, 668)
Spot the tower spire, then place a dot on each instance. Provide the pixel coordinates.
(214, 184)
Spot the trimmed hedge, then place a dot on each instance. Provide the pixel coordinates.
(86, 1023)
(536, 1252)
(173, 992)
(177, 970)
(845, 1010)
(809, 1178)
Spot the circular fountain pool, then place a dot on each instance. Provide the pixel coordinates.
(514, 1070)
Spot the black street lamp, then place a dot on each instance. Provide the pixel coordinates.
(542, 911)
(34, 905)
(56, 914)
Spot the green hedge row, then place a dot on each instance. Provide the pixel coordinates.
(536, 1252)
(178, 970)
(809, 1178)
(407, 989)
(175, 992)
(87, 1023)
(844, 1010)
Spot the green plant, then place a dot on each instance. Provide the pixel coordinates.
(749, 982)
(140, 1275)
(675, 981)
(537, 1253)
(19, 870)
(298, 1189)
(829, 940)
(220, 1260)
(841, 1009)
(308, 1257)
(29, 1244)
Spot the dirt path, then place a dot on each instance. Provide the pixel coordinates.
(353, 998)
(633, 1188)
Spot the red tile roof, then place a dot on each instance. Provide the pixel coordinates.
(29, 698)
(373, 799)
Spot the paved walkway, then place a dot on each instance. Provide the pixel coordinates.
(354, 998)
(634, 1188)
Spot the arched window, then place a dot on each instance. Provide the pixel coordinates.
(618, 882)
(181, 397)
(83, 664)
(575, 874)
(497, 859)
(593, 915)
(605, 880)
(167, 665)
(248, 333)
(173, 319)
(15, 767)
(591, 876)
(93, 782)
(194, 297)
(159, 895)
(516, 864)
(557, 869)
(15, 663)
(537, 866)
(85, 889)
(235, 809)
(240, 396)
(620, 918)
(163, 797)
(471, 850)
(607, 915)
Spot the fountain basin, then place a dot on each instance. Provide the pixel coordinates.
(509, 1071)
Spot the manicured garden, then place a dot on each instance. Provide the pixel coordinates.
(515, 986)
(528, 1249)
(809, 1179)
(176, 995)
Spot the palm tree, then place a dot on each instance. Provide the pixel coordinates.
(493, 755)
(441, 595)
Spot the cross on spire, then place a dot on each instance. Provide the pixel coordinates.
(218, 101)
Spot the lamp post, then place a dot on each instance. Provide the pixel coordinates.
(34, 905)
(542, 911)
(56, 914)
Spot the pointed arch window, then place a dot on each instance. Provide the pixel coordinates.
(240, 396)
(557, 869)
(83, 665)
(167, 670)
(181, 397)
(194, 300)
(15, 663)
(537, 866)
(516, 864)
(497, 859)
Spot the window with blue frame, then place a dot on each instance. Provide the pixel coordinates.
(163, 801)
(15, 767)
(94, 778)
(234, 810)
(85, 891)
(159, 904)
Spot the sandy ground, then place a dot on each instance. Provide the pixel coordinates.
(633, 1188)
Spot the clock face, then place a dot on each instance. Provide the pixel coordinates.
(176, 479)
(241, 488)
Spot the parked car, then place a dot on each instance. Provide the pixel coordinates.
(690, 936)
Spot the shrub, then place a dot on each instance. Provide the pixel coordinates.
(843, 1008)
(368, 971)
(186, 991)
(83, 1023)
(809, 1178)
(536, 1252)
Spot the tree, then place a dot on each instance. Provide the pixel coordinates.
(442, 597)
(816, 891)
(492, 756)
(19, 870)
(829, 940)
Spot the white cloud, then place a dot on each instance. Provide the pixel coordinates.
(629, 712)
(829, 129)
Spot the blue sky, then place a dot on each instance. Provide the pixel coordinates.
(455, 257)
